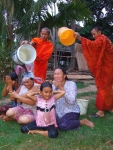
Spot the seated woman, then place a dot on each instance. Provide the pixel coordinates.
(24, 113)
(11, 84)
(67, 109)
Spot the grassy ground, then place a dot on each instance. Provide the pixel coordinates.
(99, 138)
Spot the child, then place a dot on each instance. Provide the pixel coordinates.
(45, 123)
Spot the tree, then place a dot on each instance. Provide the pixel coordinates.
(102, 15)
(23, 19)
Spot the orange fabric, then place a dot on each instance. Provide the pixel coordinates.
(104, 100)
(99, 56)
(44, 51)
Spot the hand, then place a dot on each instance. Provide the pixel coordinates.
(13, 94)
(35, 88)
(58, 85)
(77, 36)
(9, 81)
(18, 101)
(24, 42)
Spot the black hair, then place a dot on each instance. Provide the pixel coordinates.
(47, 29)
(13, 76)
(31, 79)
(97, 28)
(64, 71)
(45, 84)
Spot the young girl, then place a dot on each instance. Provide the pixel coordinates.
(45, 123)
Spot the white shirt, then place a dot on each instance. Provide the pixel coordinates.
(24, 90)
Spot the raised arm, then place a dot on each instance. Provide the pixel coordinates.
(32, 96)
(34, 89)
(22, 99)
(5, 90)
(8, 87)
(58, 94)
(70, 91)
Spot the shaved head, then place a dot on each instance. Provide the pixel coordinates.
(47, 29)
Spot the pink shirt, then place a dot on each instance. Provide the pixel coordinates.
(45, 118)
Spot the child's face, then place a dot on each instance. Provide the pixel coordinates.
(95, 34)
(46, 93)
(44, 35)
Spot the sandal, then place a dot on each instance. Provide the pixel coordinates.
(94, 116)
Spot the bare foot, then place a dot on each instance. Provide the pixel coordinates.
(1, 116)
(100, 113)
(111, 111)
(87, 123)
(5, 118)
(32, 132)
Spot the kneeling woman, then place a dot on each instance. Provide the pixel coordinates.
(45, 123)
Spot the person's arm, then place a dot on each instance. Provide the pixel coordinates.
(18, 90)
(22, 99)
(58, 94)
(70, 92)
(8, 86)
(5, 90)
(32, 96)
(34, 89)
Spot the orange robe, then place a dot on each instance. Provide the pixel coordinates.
(99, 56)
(44, 51)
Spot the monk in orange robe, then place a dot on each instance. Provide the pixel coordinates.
(44, 49)
(99, 56)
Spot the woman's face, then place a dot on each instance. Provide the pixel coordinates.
(59, 75)
(28, 83)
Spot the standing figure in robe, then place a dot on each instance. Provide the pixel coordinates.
(99, 56)
(44, 49)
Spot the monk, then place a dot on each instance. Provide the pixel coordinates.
(99, 56)
(44, 49)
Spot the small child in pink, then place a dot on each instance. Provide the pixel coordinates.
(45, 123)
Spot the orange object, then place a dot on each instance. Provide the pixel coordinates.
(44, 50)
(99, 56)
(66, 36)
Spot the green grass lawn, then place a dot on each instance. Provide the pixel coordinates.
(85, 138)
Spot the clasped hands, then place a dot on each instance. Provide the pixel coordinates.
(9, 81)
